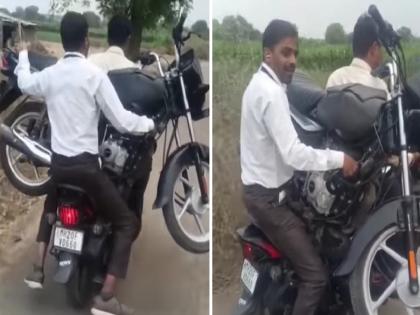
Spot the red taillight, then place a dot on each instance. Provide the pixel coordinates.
(271, 250)
(247, 250)
(69, 216)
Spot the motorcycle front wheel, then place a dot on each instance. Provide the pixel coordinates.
(186, 216)
(25, 175)
(379, 282)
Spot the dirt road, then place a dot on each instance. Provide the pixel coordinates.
(163, 278)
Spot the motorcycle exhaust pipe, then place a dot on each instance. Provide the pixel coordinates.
(25, 145)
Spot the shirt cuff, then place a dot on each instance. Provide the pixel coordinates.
(23, 60)
(337, 159)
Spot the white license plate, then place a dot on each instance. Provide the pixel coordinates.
(249, 276)
(67, 239)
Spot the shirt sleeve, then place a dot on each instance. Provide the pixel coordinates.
(296, 154)
(30, 83)
(122, 119)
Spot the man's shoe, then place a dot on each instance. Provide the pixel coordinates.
(36, 278)
(109, 307)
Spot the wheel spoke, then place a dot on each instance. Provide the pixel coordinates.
(388, 291)
(17, 158)
(187, 203)
(397, 257)
(199, 224)
(185, 181)
(180, 200)
(35, 171)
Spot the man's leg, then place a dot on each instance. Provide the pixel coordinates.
(287, 232)
(36, 278)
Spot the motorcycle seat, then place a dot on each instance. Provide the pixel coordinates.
(253, 235)
(303, 93)
(72, 188)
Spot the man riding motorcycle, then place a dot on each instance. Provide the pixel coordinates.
(76, 92)
(271, 151)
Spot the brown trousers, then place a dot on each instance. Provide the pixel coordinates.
(287, 232)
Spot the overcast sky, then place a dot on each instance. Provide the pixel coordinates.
(200, 9)
(313, 16)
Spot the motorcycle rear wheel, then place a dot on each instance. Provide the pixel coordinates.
(80, 288)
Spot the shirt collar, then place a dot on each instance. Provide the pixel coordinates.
(360, 63)
(115, 50)
(273, 75)
(75, 54)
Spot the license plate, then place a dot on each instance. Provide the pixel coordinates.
(70, 240)
(249, 276)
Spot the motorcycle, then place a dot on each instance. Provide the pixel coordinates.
(367, 228)
(28, 114)
(81, 237)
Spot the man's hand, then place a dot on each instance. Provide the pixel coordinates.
(350, 166)
(22, 45)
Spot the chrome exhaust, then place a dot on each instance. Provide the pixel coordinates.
(25, 145)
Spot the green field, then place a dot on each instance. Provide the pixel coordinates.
(233, 66)
(159, 41)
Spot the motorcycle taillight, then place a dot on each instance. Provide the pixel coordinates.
(252, 252)
(69, 215)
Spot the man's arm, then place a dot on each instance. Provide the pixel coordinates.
(122, 119)
(296, 154)
(30, 83)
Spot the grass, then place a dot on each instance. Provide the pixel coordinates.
(159, 41)
(233, 66)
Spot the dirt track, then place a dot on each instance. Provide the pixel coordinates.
(163, 278)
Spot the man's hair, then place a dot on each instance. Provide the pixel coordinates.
(364, 35)
(119, 30)
(276, 31)
(74, 30)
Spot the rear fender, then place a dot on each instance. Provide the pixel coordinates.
(67, 263)
(247, 304)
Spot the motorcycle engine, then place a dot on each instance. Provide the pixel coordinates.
(114, 155)
(317, 193)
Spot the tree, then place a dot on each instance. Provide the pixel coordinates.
(200, 27)
(335, 34)
(234, 28)
(4, 10)
(31, 12)
(405, 33)
(19, 13)
(92, 18)
(143, 14)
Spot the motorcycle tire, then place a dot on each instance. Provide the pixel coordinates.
(34, 189)
(80, 288)
(172, 223)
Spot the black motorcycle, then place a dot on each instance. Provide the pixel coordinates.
(367, 228)
(81, 237)
(27, 114)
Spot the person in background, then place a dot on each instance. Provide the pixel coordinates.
(119, 33)
(367, 56)
(76, 92)
(270, 153)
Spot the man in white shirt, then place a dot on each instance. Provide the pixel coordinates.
(119, 33)
(76, 92)
(367, 54)
(271, 151)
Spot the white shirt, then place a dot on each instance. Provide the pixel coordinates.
(76, 91)
(270, 147)
(358, 71)
(111, 59)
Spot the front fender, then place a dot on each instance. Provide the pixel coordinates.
(381, 219)
(180, 157)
